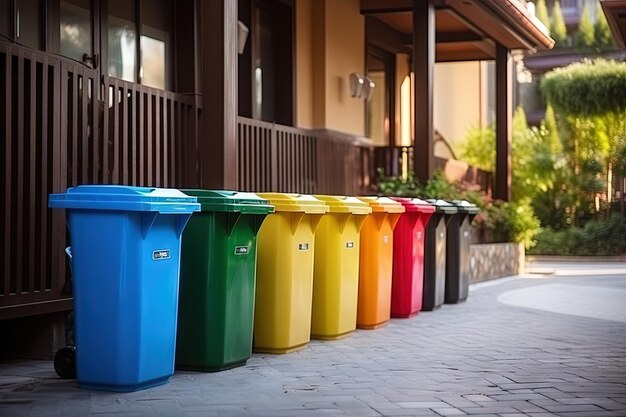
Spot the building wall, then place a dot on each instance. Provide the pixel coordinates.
(330, 39)
(461, 100)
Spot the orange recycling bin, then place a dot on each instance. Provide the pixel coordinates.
(284, 285)
(336, 268)
(376, 262)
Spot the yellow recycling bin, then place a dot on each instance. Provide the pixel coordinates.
(284, 290)
(336, 270)
(376, 262)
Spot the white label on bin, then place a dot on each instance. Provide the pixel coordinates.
(418, 235)
(303, 246)
(386, 239)
(465, 233)
(350, 245)
(242, 250)
(161, 254)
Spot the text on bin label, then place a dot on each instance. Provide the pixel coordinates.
(161, 254)
(242, 250)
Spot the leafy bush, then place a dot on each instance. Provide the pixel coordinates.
(587, 88)
(598, 237)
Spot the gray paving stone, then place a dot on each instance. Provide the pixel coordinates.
(482, 357)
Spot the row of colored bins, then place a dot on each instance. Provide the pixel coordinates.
(217, 287)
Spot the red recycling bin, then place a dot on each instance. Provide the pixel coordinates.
(408, 257)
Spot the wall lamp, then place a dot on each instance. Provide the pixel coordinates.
(361, 86)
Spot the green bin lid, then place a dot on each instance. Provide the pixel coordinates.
(443, 206)
(465, 207)
(231, 201)
(383, 204)
(303, 203)
(415, 205)
(344, 204)
(124, 198)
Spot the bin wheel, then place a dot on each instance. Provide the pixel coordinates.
(65, 362)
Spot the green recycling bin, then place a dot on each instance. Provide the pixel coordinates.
(217, 280)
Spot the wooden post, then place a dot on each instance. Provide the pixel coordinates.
(217, 46)
(423, 69)
(504, 115)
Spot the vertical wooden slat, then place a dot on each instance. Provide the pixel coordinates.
(8, 171)
(181, 144)
(94, 116)
(18, 227)
(132, 135)
(84, 126)
(149, 140)
(141, 118)
(166, 142)
(106, 99)
(115, 133)
(43, 175)
(158, 163)
(123, 135)
(33, 165)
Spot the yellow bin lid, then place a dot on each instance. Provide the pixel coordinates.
(345, 204)
(383, 204)
(303, 203)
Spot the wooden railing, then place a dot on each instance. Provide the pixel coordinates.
(275, 158)
(60, 126)
(285, 159)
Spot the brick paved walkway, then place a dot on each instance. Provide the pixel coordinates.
(499, 354)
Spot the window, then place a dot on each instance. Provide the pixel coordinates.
(150, 47)
(122, 41)
(378, 110)
(266, 67)
(76, 29)
(22, 21)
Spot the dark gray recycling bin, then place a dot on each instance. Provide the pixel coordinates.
(457, 253)
(435, 255)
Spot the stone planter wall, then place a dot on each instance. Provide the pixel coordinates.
(496, 260)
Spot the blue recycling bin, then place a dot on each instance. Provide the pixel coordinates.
(125, 266)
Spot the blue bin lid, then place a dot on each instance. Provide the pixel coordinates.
(230, 201)
(127, 198)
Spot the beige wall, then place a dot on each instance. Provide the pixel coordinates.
(330, 42)
(457, 100)
(304, 63)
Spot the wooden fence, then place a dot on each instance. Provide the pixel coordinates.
(61, 126)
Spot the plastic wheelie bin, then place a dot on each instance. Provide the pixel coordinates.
(286, 244)
(435, 255)
(457, 252)
(408, 257)
(125, 263)
(376, 262)
(336, 267)
(217, 280)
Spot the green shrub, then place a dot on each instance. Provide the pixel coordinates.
(588, 88)
(598, 237)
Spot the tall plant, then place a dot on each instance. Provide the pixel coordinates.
(585, 37)
(603, 36)
(541, 11)
(558, 28)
